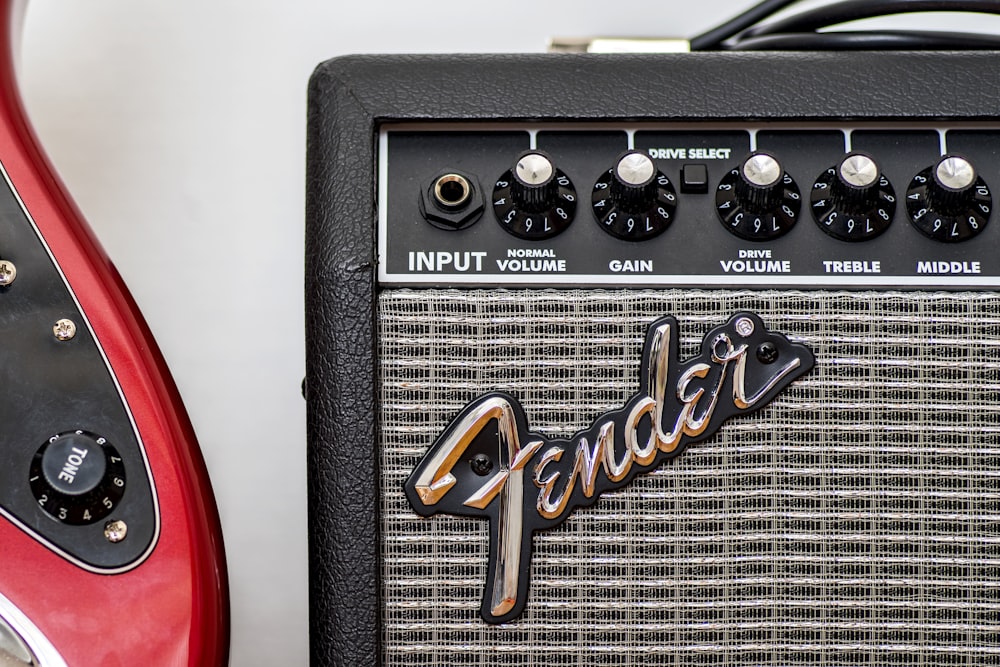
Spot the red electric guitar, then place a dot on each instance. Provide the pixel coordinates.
(110, 547)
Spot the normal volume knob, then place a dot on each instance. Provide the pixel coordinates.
(533, 199)
(949, 201)
(77, 477)
(633, 200)
(853, 201)
(758, 201)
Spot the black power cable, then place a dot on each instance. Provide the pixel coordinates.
(869, 41)
(800, 31)
(713, 38)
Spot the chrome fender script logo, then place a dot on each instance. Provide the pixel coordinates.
(488, 463)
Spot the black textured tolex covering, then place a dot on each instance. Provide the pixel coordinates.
(350, 96)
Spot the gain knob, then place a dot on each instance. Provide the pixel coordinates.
(633, 200)
(758, 201)
(949, 201)
(533, 199)
(853, 201)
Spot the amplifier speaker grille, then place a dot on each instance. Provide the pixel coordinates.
(854, 521)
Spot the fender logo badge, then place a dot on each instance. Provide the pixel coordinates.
(480, 464)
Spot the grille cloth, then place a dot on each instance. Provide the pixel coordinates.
(854, 521)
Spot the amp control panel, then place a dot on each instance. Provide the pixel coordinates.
(875, 204)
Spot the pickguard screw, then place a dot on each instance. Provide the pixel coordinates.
(8, 272)
(64, 329)
(115, 531)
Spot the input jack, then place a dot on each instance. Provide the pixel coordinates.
(452, 200)
(452, 191)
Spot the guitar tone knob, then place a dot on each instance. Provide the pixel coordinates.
(77, 477)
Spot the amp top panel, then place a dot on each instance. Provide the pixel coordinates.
(898, 205)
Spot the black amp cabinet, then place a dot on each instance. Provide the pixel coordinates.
(627, 360)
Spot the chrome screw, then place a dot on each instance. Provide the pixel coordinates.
(64, 330)
(8, 272)
(744, 326)
(115, 531)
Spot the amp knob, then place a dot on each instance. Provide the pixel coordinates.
(949, 201)
(853, 201)
(758, 201)
(633, 200)
(533, 199)
(77, 477)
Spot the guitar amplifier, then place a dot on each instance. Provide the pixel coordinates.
(687, 359)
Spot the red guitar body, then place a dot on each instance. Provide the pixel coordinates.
(110, 546)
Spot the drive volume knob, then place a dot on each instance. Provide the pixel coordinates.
(77, 477)
(633, 200)
(853, 201)
(758, 201)
(533, 199)
(949, 202)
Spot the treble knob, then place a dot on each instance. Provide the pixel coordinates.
(534, 199)
(633, 200)
(853, 201)
(758, 201)
(949, 201)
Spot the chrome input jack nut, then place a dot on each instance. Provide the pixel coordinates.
(452, 200)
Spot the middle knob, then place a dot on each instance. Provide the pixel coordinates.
(758, 201)
(633, 200)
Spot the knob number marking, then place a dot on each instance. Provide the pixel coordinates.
(755, 221)
(93, 504)
(534, 225)
(851, 213)
(949, 217)
(634, 225)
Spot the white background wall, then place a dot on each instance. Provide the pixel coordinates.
(179, 128)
